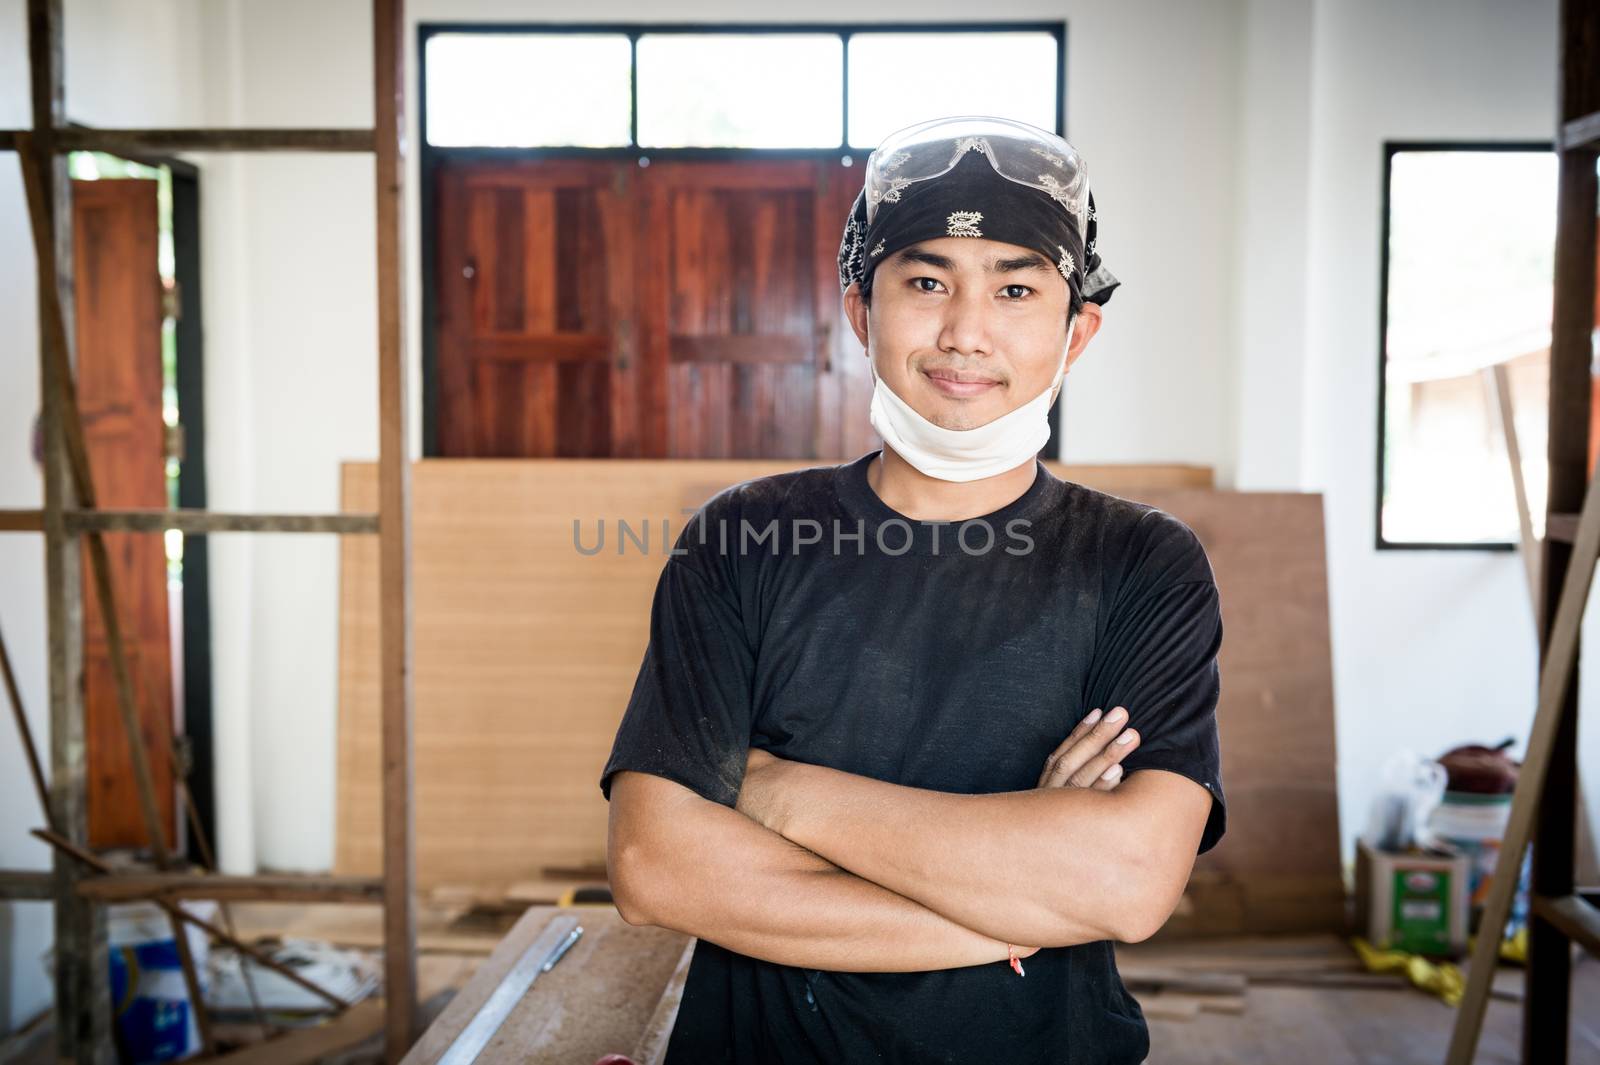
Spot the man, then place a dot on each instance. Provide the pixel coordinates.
(864, 760)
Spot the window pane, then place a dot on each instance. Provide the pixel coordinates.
(895, 80)
(528, 90)
(1469, 288)
(728, 90)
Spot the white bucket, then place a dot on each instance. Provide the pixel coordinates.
(1475, 825)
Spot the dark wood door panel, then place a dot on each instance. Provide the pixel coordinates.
(730, 303)
(119, 378)
(685, 309)
(534, 285)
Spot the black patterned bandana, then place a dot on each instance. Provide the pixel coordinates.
(972, 200)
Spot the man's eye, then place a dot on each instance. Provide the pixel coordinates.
(1023, 288)
(917, 281)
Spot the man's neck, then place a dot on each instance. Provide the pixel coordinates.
(908, 490)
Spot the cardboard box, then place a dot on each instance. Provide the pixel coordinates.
(1413, 902)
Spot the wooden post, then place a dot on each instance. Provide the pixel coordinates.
(82, 998)
(394, 535)
(1497, 390)
(1544, 805)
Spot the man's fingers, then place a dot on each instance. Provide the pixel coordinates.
(1092, 770)
(1089, 739)
(1078, 732)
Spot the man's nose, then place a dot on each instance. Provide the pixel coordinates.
(966, 324)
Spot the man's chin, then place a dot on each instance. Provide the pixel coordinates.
(960, 415)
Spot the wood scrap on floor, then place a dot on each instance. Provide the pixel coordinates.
(1177, 979)
(359, 925)
(1167, 977)
(306, 1045)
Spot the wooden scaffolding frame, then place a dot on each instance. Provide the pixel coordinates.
(70, 522)
(1544, 809)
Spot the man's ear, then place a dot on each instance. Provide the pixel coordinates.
(855, 308)
(1083, 330)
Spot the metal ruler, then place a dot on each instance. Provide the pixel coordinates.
(556, 939)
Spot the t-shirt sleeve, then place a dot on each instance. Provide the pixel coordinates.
(1157, 656)
(689, 717)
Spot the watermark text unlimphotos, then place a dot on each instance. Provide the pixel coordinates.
(896, 536)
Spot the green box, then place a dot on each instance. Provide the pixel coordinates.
(1413, 902)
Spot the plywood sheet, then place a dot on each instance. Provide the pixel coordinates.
(526, 652)
(598, 999)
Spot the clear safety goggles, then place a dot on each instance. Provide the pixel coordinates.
(1022, 153)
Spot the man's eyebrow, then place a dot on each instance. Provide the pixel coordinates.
(1032, 261)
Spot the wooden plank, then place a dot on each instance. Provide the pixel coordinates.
(25, 884)
(527, 650)
(1552, 802)
(30, 751)
(1555, 684)
(1497, 389)
(597, 1001)
(553, 942)
(651, 1049)
(82, 998)
(394, 535)
(191, 522)
(205, 521)
(123, 887)
(1561, 528)
(1577, 919)
(74, 138)
(1581, 133)
(307, 1045)
(80, 855)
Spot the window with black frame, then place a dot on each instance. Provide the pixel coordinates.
(1468, 246)
(667, 87)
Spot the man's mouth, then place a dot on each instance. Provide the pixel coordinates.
(960, 385)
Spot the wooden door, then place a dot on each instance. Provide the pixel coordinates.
(115, 237)
(684, 309)
(535, 346)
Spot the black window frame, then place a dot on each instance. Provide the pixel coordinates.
(431, 156)
(1390, 150)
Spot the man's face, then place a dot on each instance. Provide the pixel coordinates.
(966, 329)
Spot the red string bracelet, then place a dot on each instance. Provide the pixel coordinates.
(1016, 962)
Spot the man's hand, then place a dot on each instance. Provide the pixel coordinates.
(1089, 756)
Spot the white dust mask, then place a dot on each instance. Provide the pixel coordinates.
(964, 454)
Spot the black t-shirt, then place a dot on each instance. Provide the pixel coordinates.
(806, 617)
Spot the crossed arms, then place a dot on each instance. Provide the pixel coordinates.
(824, 869)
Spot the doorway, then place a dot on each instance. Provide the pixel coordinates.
(140, 375)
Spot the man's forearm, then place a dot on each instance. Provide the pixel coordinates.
(1050, 867)
(711, 872)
